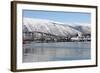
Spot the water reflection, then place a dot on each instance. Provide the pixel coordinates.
(39, 52)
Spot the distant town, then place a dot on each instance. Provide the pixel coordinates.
(38, 30)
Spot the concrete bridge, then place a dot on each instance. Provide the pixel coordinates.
(43, 37)
(47, 37)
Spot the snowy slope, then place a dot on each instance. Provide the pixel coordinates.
(51, 27)
(83, 29)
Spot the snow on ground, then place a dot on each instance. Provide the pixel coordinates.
(53, 27)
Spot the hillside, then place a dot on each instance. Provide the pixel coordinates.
(53, 27)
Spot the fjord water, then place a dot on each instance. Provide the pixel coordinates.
(57, 51)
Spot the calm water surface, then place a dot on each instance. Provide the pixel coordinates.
(60, 51)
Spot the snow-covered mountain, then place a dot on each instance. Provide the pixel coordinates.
(53, 27)
(83, 29)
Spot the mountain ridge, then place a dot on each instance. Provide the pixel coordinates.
(53, 27)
